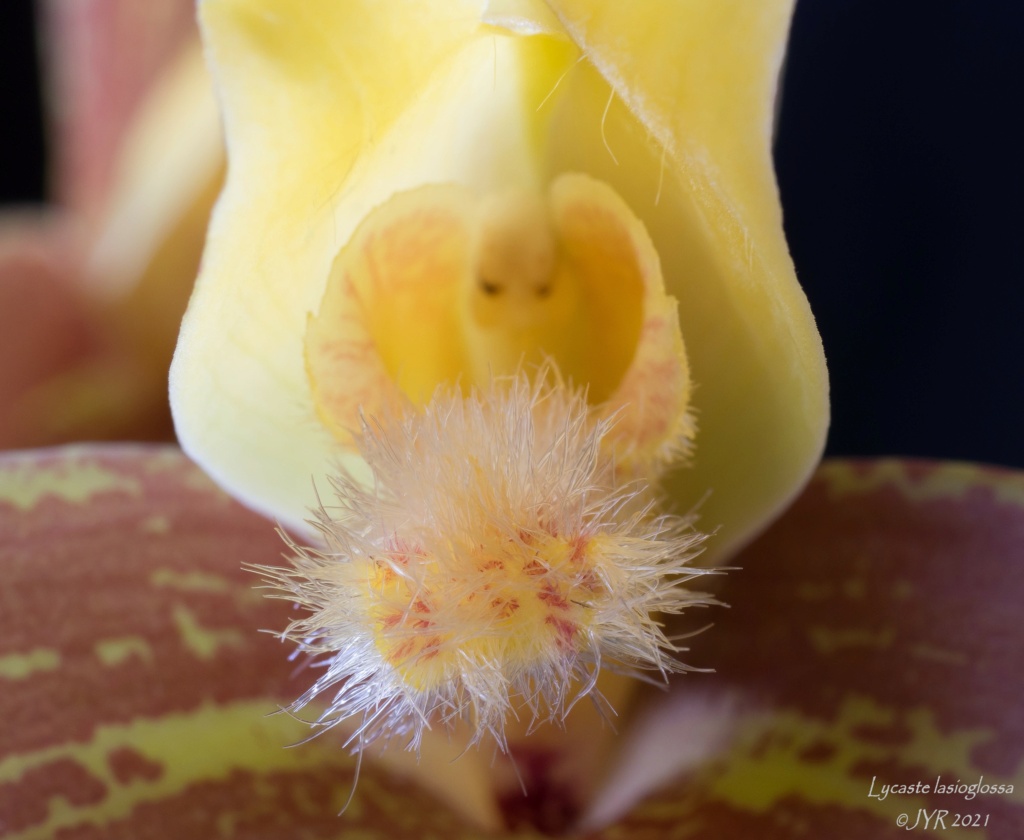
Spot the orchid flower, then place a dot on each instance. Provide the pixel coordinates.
(346, 122)
(508, 277)
(468, 264)
(490, 187)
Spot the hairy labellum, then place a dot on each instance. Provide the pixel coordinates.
(496, 563)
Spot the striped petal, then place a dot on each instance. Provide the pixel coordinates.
(135, 687)
(874, 639)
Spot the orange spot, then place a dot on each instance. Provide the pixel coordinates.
(505, 608)
(401, 653)
(565, 631)
(588, 581)
(579, 550)
(386, 573)
(553, 598)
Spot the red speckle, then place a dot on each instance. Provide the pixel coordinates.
(493, 564)
(545, 524)
(431, 649)
(386, 572)
(653, 325)
(128, 764)
(346, 353)
(565, 630)
(588, 580)
(579, 549)
(533, 568)
(402, 652)
(553, 599)
(400, 551)
(505, 608)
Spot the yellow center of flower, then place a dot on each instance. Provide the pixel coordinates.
(439, 285)
(516, 601)
(538, 292)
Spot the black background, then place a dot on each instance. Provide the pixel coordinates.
(899, 156)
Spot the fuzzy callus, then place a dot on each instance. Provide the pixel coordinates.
(495, 564)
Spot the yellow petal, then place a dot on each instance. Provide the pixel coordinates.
(386, 324)
(636, 368)
(333, 109)
(701, 76)
(526, 17)
(330, 108)
(337, 113)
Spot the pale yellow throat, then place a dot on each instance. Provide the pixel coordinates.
(441, 286)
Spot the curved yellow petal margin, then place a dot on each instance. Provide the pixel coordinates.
(756, 358)
(306, 88)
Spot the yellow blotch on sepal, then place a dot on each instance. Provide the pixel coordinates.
(26, 485)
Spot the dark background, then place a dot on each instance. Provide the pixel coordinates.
(899, 155)
(22, 152)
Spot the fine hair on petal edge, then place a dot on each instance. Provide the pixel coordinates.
(494, 565)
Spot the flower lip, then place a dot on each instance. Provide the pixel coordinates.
(496, 565)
